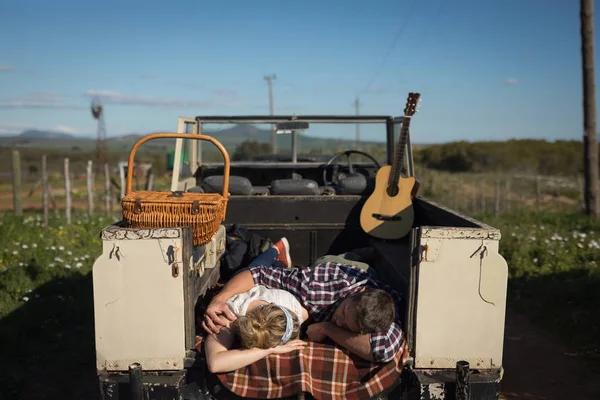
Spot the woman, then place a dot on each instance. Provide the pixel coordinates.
(268, 321)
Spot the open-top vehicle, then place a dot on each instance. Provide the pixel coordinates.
(150, 283)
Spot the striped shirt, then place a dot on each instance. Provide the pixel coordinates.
(320, 288)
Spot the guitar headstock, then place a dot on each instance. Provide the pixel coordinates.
(411, 104)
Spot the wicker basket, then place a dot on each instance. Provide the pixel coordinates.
(204, 212)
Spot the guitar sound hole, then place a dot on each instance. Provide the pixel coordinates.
(392, 190)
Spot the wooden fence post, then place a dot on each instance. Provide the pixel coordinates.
(90, 191)
(150, 180)
(45, 191)
(107, 196)
(17, 195)
(68, 199)
(483, 199)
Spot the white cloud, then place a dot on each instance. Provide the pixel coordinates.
(6, 68)
(510, 81)
(66, 129)
(113, 97)
(37, 100)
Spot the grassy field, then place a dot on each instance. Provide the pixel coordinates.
(46, 309)
(554, 274)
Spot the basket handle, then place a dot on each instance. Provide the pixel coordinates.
(169, 135)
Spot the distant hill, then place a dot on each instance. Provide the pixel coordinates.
(230, 137)
(35, 134)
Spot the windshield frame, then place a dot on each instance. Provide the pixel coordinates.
(390, 122)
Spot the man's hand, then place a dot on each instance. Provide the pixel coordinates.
(212, 321)
(316, 331)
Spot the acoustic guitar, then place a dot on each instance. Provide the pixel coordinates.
(388, 212)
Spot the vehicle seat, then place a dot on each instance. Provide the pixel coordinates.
(196, 189)
(295, 187)
(238, 185)
(260, 190)
(354, 184)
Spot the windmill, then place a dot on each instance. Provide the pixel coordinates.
(101, 149)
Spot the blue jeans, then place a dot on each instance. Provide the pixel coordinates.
(267, 258)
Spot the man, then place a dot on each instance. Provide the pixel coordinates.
(346, 304)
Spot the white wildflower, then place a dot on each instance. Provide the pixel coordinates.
(25, 298)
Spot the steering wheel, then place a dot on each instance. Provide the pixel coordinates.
(335, 175)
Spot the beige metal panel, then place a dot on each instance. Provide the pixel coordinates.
(461, 303)
(138, 304)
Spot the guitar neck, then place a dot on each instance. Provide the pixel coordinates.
(399, 153)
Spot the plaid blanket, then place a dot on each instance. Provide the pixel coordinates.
(324, 371)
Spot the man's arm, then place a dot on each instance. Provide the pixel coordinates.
(385, 345)
(357, 343)
(376, 347)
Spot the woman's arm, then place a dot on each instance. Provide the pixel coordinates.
(221, 358)
(213, 323)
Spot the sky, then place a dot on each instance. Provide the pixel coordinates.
(486, 70)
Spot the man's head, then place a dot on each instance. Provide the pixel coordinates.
(368, 311)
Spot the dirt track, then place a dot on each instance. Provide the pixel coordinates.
(536, 366)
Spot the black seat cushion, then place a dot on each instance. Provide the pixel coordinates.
(353, 184)
(295, 187)
(238, 185)
(196, 189)
(260, 190)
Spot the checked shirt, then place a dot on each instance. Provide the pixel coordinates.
(319, 288)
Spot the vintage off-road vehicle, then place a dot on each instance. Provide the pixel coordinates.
(149, 283)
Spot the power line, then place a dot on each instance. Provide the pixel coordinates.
(396, 37)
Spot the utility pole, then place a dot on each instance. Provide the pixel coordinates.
(269, 79)
(590, 135)
(356, 106)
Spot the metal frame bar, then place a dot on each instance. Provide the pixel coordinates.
(308, 118)
(181, 125)
(389, 121)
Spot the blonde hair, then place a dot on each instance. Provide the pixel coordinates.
(264, 326)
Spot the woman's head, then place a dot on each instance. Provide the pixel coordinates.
(265, 326)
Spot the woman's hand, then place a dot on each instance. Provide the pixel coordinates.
(289, 346)
(213, 317)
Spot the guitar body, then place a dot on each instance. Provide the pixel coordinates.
(389, 217)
